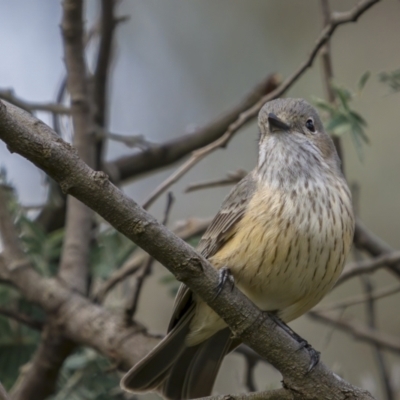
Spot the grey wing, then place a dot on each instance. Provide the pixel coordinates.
(231, 212)
(218, 233)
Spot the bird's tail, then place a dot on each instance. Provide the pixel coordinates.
(178, 371)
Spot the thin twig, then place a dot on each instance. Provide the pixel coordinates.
(371, 320)
(359, 331)
(353, 301)
(366, 240)
(55, 108)
(231, 179)
(185, 230)
(3, 393)
(368, 266)
(327, 72)
(147, 269)
(22, 318)
(138, 141)
(251, 359)
(336, 20)
(159, 155)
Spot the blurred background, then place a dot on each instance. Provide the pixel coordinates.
(177, 65)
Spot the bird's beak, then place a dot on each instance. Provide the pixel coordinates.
(276, 124)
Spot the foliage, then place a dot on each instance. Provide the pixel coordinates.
(87, 375)
(342, 118)
(392, 79)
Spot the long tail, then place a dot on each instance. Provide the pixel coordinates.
(179, 371)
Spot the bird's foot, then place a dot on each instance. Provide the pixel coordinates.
(225, 276)
(314, 354)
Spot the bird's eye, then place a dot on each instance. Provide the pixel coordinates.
(310, 125)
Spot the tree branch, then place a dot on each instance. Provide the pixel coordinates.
(190, 228)
(160, 155)
(37, 142)
(146, 269)
(279, 394)
(366, 240)
(335, 20)
(22, 318)
(231, 179)
(39, 381)
(327, 71)
(352, 301)
(368, 266)
(380, 358)
(359, 331)
(3, 393)
(74, 267)
(55, 108)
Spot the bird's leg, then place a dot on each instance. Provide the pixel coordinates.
(224, 276)
(314, 354)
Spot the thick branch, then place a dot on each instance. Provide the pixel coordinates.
(42, 146)
(75, 255)
(279, 394)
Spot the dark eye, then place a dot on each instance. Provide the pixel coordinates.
(310, 125)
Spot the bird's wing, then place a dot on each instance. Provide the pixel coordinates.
(231, 212)
(217, 234)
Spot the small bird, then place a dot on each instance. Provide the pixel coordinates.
(283, 233)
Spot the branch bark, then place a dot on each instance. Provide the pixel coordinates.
(37, 142)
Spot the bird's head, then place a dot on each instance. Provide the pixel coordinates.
(293, 127)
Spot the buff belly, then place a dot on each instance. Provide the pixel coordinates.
(282, 258)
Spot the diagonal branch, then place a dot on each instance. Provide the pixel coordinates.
(37, 142)
(359, 331)
(335, 21)
(366, 240)
(160, 155)
(22, 318)
(192, 227)
(368, 266)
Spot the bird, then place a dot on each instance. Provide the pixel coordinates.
(282, 233)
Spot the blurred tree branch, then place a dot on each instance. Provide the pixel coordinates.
(55, 108)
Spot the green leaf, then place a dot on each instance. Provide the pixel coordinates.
(392, 79)
(337, 121)
(323, 105)
(363, 80)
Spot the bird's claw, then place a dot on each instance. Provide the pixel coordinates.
(314, 354)
(303, 344)
(224, 276)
